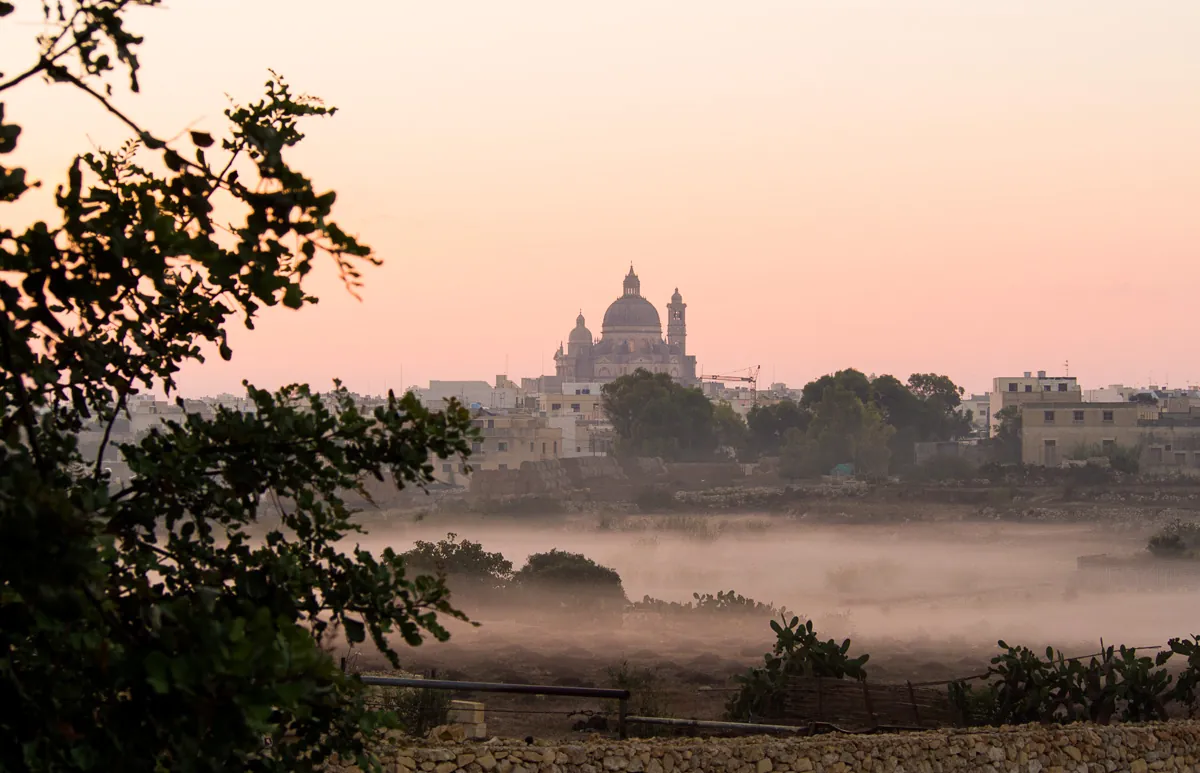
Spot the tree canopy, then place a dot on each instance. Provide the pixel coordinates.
(653, 415)
(141, 626)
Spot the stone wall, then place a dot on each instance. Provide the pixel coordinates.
(1172, 746)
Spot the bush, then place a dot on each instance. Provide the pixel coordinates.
(462, 561)
(799, 652)
(1178, 539)
(417, 711)
(645, 686)
(725, 603)
(573, 581)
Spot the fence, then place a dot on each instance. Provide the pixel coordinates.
(621, 696)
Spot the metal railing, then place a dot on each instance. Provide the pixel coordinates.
(621, 696)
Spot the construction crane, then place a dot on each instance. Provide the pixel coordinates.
(751, 379)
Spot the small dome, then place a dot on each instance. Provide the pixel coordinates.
(580, 335)
(676, 298)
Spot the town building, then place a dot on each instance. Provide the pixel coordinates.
(1012, 391)
(980, 407)
(631, 338)
(1054, 431)
(505, 442)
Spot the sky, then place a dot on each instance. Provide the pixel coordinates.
(972, 188)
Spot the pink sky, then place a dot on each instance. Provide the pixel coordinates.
(974, 188)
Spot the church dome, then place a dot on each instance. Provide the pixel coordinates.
(631, 312)
(580, 335)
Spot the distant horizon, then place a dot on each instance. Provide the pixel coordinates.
(966, 188)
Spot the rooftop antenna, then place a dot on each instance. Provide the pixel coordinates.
(1067, 367)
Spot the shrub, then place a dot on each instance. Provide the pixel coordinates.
(464, 560)
(725, 603)
(417, 711)
(798, 652)
(645, 686)
(572, 580)
(1178, 539)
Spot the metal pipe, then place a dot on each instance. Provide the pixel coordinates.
(701, 724)
(518, 689)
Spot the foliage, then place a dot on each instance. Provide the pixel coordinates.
(417, 711)
(842, 430)
(461, 561)
(724, 603)
(653, 415)
(1023, 687)
(645, 691)
(140, 627)
(769, 424)
(1121, 458)
(848, 380)
(729, 427)
(572, 581)
(1006, 441)
(798, 652)
(1177, 539)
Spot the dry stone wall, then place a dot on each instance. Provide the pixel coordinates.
(1171, 746)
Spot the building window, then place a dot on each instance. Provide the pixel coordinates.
(578, 450)
(1196, 458)
(543, 448)
(502, 467)
(556, 406)
(556, 448)
(1062, 387)
(501, 446)
(575, 407)
(1168, 447)
(476, 447)
(1180, 458)
(531, 446)
(491, 424)
(1107, 416)
(447, 467)
(1012, 387)
(1078, 417)
(1046, 388)
(1108, 445)
(1048, 417)
(462, 468)
(1029, 387)
(1156, 455)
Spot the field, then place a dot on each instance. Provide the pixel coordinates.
(927, 593)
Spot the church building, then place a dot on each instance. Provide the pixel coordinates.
(631, 338)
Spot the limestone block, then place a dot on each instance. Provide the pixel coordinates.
(466, 713)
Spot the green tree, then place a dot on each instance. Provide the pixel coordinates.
(655, 416)
(849, 379)
(843, 430)
(730, 427)
(768, 425)
(1006, 440)
(141, 628)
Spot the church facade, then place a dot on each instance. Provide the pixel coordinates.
(631, 337)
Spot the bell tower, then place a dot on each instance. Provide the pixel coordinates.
(677, 322)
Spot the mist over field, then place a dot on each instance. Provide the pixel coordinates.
(953, 583)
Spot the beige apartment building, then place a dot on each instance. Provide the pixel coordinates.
(1053, 431)
(1019, 390)
(505, 441)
